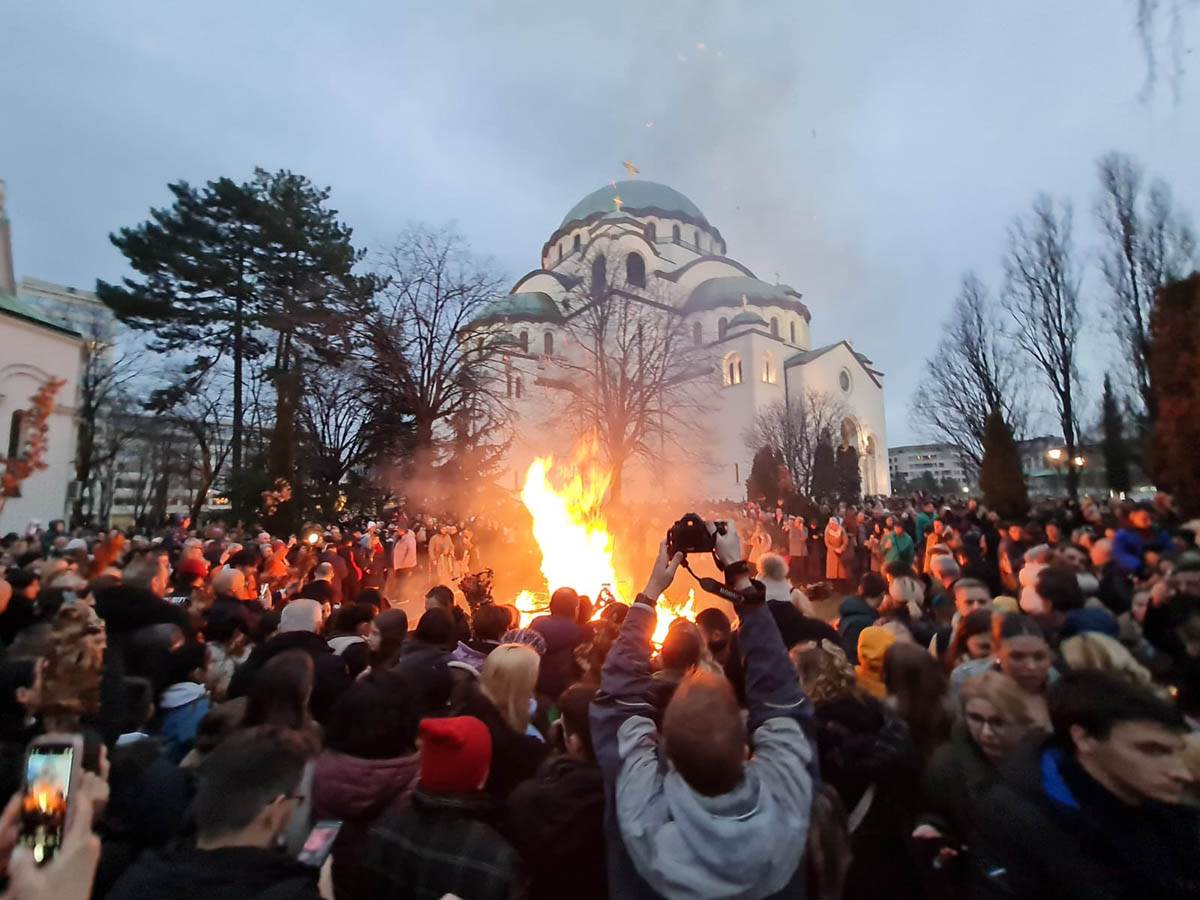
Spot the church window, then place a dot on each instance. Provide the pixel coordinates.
(635, 270)
(548, 344)
(675, 233)
(792, 331)
(520, 388)
(651, 232)
(576, 244)
(722, 327)
(599, 276)
(844, 381)
(774, 326)
(696, 238)
(15, 427)
(732, 370)
(697, 334)
(524, 341)
(560, 252)
(768, 369)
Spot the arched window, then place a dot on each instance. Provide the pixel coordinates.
(774, 326)
(16, 436)
(651, 232)
(635, 270)
(697, 334)
(599, 277)
(675, 233)
(696, 238)
(722, 327)
(768, 369)
(792, 330)
(576, 244)
(524, 341)
(520, 388)
(732, 370)
(548, 344)
(560, 252)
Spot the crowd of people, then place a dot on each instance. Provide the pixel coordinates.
(992, 709)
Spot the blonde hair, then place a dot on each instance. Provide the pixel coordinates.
(1003, 693)
(508, 679)
(1092, 650)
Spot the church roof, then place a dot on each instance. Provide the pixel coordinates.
(747, 317)
(18, 309)
(731, 289)
(529, 306)
(636, 197)
(807, 356)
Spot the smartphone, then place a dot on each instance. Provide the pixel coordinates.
(52, 766)
(264, 595)
(319, 843)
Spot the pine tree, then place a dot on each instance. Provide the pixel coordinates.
(1175, 381)
(1116, 451)
(1000, 475)
(763, 483)
(824, 477)
(849, 477)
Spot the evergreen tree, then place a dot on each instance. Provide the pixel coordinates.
(763, 484)
(1000, 475)
(849, 477)
(1175, 381)
(1116, 451)
(824, 478)
(197, 260)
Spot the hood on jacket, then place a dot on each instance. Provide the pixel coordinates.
(181, 694)
(854, 605)
(349, 787)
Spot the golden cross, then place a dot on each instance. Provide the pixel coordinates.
(618, 203)
(631, 170)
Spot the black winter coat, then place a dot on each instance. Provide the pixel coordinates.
(330, 675)
(1048, 831)
(557, 825)
(244, 873)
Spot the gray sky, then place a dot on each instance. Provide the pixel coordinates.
(867, 152)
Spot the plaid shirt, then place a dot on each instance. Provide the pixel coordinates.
(439, 846)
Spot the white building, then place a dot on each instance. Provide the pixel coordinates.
(648, 244)
(943, 462)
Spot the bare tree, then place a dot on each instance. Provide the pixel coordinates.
(634, 377)
(1148, 243)
(413, 338)
(1042, 298)
(1160, 23)
(204, 420)
(104, 379)
(972, 372)
(796, 428)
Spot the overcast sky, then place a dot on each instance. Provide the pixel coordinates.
(866, 152)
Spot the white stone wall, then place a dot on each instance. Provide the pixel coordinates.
(29, 356)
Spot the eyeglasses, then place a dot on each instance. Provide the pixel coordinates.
(995, 723)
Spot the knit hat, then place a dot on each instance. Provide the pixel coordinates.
(301, 614)
(456, 755)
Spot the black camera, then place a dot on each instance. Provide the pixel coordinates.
(690, 535)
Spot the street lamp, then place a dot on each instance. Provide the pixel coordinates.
(1056, 454)
(1079, 462)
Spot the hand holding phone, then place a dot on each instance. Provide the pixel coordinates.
(319, 843)
(53, 765)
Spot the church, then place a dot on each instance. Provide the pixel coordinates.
(645, 244)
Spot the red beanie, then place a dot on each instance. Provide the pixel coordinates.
(192, 568)
(455, 755)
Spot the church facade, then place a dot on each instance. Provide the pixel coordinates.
(643, 243)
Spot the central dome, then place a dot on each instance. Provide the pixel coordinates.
(636, 197)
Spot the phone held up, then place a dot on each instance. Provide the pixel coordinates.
(319, 843)
(53, 764)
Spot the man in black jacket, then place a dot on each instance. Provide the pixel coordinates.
(1094, 811)
(860, 610)
(245, 799)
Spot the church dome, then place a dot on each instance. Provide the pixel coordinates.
(530, 306)
(741, 290)
(747, 317)
(637, 197)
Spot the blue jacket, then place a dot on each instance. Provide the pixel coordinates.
(1130, 546)
(182, 707)
(748, 843)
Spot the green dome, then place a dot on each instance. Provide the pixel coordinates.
(530, 306)
(747, 317)
(734, 290)
(636, 197)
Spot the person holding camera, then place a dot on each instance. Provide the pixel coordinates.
(720, 818)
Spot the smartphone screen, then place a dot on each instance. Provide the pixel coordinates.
(264, 595)
(44, 806)
(319, 843)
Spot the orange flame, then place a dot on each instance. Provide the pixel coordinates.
(572, 533)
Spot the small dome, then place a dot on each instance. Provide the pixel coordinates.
(747, 317)
(530, 306)
(739, 290)
(636, 197)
